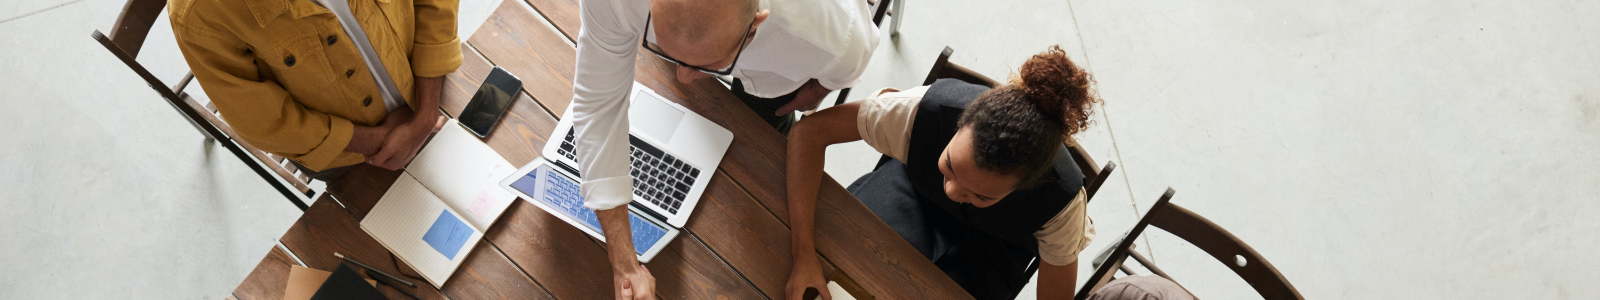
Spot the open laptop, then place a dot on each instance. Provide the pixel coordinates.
(674, 154)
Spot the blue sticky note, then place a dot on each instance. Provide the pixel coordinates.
(448, 234)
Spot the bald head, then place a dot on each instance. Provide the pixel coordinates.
(712, 25)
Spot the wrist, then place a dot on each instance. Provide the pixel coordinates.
(804, 257)
(621, 256)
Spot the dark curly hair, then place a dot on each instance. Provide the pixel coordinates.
(1017, 128)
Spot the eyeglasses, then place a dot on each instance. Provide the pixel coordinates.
(645, 41)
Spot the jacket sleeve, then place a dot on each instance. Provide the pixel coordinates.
(261, 113)
(437, 50)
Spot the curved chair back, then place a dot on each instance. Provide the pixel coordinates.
(1191, 227)
(127, 38)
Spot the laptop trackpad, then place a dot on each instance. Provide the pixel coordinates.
(653, 117)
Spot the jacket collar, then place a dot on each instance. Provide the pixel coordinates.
(266, 10)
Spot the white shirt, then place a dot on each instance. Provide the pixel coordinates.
(884, 122)
(829, 40)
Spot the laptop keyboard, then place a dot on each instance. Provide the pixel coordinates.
(658, 177)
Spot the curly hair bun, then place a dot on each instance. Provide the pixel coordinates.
(1058, 88)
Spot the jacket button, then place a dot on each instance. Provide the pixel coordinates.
(349, 72)
(288, 61)
(332, 39)
(366, 102)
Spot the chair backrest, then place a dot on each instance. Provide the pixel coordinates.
(133, 25)
(1191, 227)
(127, 38)
(879, 8)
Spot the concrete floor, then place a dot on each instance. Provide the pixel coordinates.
(1368, 149)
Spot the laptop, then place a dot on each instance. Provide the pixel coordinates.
(674, 154)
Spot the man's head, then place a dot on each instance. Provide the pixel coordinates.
(703, 33)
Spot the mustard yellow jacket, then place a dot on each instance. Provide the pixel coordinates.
(286, 78)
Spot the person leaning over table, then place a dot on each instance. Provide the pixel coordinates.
(793, 52)
(980, 183)
(286, 78)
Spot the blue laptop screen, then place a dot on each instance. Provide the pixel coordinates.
(561, 193)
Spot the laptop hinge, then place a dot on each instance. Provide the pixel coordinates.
(652, 213)
(569, 169)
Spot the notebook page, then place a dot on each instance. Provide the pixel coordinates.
(421, 230)
(465, 173)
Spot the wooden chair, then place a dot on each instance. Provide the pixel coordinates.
(126, 39)
(1204, 234)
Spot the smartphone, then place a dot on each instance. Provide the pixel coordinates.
(491, 102)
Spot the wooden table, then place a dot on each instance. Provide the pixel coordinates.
(736, 245)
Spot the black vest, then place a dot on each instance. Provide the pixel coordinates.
(1017, 216)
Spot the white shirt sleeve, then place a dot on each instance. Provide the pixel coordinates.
(885, 118)
(830, 41)
(1065, 235)
(853, 52)
(607, 43)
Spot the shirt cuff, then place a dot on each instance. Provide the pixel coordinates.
(339, 133)
(434, 60)
(607, 193)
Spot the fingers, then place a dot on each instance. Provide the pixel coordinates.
(381, 159)
(823, 291)
(439, 124)
(647, 290)
(787, 109)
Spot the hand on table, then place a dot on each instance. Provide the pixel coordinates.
(807, 273)
(404, 139)
(633, 283)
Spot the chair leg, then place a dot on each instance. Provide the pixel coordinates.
(899, 12)
(842, 94)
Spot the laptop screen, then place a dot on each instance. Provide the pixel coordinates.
(559, 192)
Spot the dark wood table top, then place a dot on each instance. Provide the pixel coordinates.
(735, 247)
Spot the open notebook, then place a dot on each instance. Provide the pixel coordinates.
(442, 204)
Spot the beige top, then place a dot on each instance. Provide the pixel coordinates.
(884, 122)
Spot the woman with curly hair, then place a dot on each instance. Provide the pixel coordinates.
(979, 182)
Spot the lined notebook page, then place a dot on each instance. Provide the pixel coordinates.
(465, 173)
(402, 221)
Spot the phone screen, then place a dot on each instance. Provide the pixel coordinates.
(491, 102)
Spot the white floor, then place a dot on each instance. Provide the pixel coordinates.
(1368, 149)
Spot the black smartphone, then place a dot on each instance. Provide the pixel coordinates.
(491, 102)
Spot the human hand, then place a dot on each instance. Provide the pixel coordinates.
(808, 97)
(806, 274)
(404, 139)
(633, 282)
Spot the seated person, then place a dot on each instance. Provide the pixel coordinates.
(1141, 287)
(980, 181)
(288, 81)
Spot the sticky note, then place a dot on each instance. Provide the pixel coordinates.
(448, 234)
(480, 206)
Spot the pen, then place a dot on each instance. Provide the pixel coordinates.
(385, 281)
(380, 272)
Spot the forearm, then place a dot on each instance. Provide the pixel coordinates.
(804, 174)
(1057, 282)
(366, 140)
(428, 90)
(808, 143)
(619, 237)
